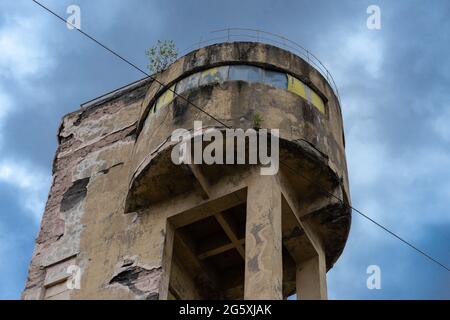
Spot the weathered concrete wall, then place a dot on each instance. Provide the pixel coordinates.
(307, 133)
(91, 160)
(236, 103)
(108, 148)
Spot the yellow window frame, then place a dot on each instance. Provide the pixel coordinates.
(299, 88)
(317, 101)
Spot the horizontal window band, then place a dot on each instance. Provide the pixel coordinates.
(240, 73)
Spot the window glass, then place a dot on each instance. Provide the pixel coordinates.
(188, 83)
(246, 73)
(243, 73)
(219, 74)
(276, 79)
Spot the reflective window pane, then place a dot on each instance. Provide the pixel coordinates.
(246, 73)
(276, 79)
(188, 83)
(214, 75)
(243, 73)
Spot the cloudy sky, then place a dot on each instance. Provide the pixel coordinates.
(394, 85)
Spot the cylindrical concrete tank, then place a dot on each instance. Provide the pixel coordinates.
(236, 83)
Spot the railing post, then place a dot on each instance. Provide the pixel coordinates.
(284, 43)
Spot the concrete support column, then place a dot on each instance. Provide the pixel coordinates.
(263, 242)
(167, 255)
(311, 279)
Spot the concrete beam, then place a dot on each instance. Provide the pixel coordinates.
(220, 249)
(201, 180)
(182, 212)
(201, 270)
(230, 232)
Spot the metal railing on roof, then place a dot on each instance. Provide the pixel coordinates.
(233, 34)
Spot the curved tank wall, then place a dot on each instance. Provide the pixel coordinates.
(234, 82)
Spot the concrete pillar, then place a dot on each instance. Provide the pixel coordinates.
(263, 242)
(167, 255)
(311, 279)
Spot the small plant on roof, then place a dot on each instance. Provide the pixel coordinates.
(161, 55)
(257, 121)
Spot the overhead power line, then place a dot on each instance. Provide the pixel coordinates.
(430, 258)
(125, 60)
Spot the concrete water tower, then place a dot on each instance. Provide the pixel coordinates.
(131, 224)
